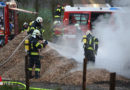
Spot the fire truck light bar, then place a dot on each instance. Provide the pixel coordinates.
(114, 8)
(2, 4)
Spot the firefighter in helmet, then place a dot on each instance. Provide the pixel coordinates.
(37, 24)
(36, 43)
(25, 26)
(58, 11)
(29, 27)
(90, 46)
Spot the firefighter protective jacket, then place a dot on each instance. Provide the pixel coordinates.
(58, 12)
(25, 29)
(34, 46)
(90, 42)
(34, 26)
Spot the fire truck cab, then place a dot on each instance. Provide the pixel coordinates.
(78, 19)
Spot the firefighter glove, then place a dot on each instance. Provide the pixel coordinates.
(45, 43)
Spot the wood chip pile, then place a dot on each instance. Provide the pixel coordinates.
(54, 67)
(8, 49)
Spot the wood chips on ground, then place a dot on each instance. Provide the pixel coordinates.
(54, 67)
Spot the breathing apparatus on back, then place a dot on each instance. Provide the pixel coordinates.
(36, 34)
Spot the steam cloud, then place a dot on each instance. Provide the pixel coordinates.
(114, 47)
(114, 42)
(123, 3)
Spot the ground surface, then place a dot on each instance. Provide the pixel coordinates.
(57, 71)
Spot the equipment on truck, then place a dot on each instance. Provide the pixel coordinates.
(83, 16)
(9, 21)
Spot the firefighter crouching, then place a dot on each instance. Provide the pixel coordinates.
(29, 27)
(35, 44)
(25, 26)
(90, 46)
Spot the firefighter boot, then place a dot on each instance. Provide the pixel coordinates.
(37, 74)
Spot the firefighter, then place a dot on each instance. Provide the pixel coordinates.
(58, 12)
(90, 46)
(37, 24)
(78, 30)
(36, 43)
(58, 31)
(25, 26)
(29, 26)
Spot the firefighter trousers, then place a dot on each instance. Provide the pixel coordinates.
(57, 18)
(34, 61)
(89, 54)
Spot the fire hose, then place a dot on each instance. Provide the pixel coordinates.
(5, 61)
(21, 84)
(18, 83)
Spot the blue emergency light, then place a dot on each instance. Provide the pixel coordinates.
(2, 4)
(114, 8)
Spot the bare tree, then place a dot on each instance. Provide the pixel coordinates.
(36, 6)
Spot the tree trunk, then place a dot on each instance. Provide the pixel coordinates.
(37, 7)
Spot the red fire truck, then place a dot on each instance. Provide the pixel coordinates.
(4, 23)
(78, 19)
(9, 21)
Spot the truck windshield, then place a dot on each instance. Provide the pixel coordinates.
(81, 19)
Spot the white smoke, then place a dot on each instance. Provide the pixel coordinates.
(123, 3)
(114, 47)
(70, 48)
(114, 42)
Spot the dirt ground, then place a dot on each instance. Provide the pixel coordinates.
(55, 68)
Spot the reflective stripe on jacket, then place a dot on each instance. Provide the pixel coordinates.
(36, 69)
(34, 46)
(56, 16)
(35, 25)
(90, 42)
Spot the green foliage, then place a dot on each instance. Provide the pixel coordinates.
(25, 17)
(45, 11)
(48, 31)
(47, 22)
(46, 14)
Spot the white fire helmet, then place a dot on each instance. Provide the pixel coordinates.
(88, 32)
(36, 33)
(39, 19)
